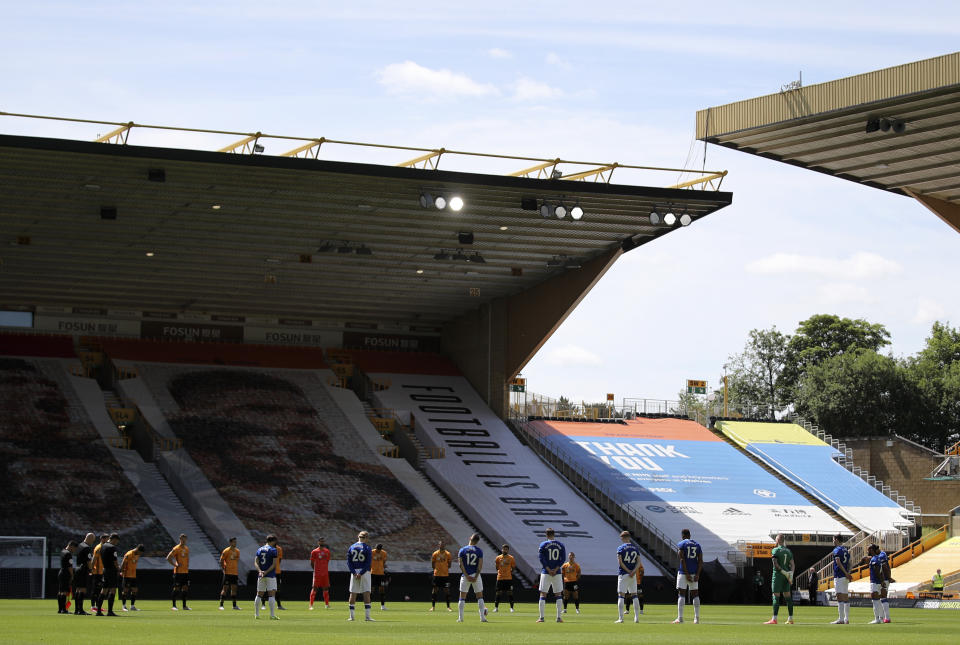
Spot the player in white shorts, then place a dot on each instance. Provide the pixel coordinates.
(359, 557)
(628, 559)
(552, 555)
(265, 561)
(471, 564)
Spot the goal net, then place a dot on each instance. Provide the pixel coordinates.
(23, 563)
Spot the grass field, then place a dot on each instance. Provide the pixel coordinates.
(33, 621)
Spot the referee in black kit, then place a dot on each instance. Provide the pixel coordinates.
(111, 566)
(65, 576)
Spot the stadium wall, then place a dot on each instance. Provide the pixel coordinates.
(905, 466)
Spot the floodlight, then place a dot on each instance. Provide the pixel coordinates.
(655, 218)
(440, 202)
(576, 213)
(885, 125)
(560, 211)
(364, 250)
(456, 203)
(899, 127)
(669, 219)
(685, 219)
(425, 200)
(346, 248)
(442, 255)
(545, 210)
(476, 258)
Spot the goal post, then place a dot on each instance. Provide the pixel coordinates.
(23, 566)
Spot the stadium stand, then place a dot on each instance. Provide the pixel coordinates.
(503, 486)
(280, 453)
(674, 473)
(809, 462)
(59, 478)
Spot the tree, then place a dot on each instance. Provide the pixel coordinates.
(935, 373)
(754, 375)
(824, 336)
(857, 393)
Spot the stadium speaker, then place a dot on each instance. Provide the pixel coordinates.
(628, 244)
(529, 204)
(157, 174)
(108, 212)
(465, 237)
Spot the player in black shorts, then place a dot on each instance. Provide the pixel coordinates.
(65, 576)
(111, 571)
(81, 575)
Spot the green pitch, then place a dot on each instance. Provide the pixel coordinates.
(33, 621)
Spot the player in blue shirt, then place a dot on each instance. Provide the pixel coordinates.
(266, 562)
(471, 563)
(359, 557)
(885, 604)
(688, 575)
(879, 577)
(552, 556)
(841, 580)
(628, 559)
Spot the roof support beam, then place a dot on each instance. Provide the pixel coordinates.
(708, 179)
(429, 161)
(540, 169)
(308, 150)
(119, 135)
(596, 173)
(947, 211)
(245, 146)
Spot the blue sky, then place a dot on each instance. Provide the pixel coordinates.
(602, 82)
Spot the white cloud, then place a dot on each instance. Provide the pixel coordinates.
(928, 311)
(410, 78)
(572, 356)
(527, 89)
(554, 59)
(496, 52)
(858, 266)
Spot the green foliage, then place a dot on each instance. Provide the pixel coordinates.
(754, 375)
(935, 375)
(855, 393)
(824, 336)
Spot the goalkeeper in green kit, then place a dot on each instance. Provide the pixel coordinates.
(781, 581)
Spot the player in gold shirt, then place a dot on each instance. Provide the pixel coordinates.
(96, 574)
(229, 561)
(378, 573)
(505, 564)
(571, 582)
(179, 559)
(128, 572)
(276, 596)
(440, 560)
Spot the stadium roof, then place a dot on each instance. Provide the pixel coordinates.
(897, 129)
(282, 236)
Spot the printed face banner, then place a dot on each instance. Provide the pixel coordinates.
(677, 474)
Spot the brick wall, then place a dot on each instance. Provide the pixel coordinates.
(904, 467)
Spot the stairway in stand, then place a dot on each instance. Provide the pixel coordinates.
(174, 515)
